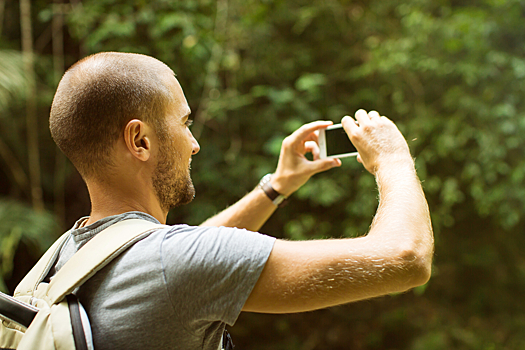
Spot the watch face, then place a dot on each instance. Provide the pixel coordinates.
(262, 181)
(265, 179)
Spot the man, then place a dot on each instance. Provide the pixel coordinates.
(122, 119)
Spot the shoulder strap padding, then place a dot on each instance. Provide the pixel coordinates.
(96, 254)
(28, 284)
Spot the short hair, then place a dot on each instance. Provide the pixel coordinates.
(98, 96)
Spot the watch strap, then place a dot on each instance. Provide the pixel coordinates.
(278, 199)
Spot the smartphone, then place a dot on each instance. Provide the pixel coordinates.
(334, 143)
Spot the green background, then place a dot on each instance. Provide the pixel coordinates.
(451, 74)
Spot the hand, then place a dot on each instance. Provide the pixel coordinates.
(294, 169)
(377, 140)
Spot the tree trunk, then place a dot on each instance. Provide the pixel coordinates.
(2, 9)
(58, 67)
(31, 115)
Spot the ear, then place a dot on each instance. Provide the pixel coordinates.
(137, 137)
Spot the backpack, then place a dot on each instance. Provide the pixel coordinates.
(47, 316)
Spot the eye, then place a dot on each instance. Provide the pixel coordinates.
(189, 123)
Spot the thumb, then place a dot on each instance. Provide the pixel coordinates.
(325, 164)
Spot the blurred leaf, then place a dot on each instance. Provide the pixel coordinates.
(13, 81)
(20, 223)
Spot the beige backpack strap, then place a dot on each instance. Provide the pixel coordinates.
(28, 284)
(96, 254)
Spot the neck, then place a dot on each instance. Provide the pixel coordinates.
(114, 197)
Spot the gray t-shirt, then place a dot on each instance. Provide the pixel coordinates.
(175, 289)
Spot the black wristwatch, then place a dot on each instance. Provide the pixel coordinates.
(265, 185)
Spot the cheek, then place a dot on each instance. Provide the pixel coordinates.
(181, 143)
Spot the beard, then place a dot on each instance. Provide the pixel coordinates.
(172, 183)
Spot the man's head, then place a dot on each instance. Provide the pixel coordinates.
(95, 103)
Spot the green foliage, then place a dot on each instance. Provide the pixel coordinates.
(449, 73)
(13, 82)
(20, 224)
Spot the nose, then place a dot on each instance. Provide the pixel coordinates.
(195, 145)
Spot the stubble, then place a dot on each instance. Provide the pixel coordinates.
(171, 178)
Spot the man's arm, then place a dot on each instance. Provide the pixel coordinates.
(395, 256)
(293, 171)
(251, 212)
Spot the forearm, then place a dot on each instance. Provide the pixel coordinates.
(403, 219)
(251, 212)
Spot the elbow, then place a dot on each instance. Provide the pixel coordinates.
(417, 263)
(420, 273)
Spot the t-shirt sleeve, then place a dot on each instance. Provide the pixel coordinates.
(211, 271)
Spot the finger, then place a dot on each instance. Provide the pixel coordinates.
(349, 124)
(386, 119)
(306, 132)
(312, 147)
(312, 137)
(373, 115)
(315, 137)
(321, 165)
(362, 117)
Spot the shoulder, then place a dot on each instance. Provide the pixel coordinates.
(211, 236)
(202, 247)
